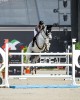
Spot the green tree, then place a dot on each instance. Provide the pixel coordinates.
(24, 57)
(77, 46)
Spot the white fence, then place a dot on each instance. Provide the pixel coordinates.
(75, 54)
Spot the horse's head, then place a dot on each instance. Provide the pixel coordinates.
(48, 35)
(48, 31)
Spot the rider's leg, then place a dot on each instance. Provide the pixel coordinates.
(33, 41)
(35, 32)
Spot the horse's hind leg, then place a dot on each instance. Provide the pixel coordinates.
(28, 59)
(36, 58)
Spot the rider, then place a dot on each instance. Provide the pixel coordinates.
(37, 30)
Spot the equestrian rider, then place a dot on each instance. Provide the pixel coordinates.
(37, 30)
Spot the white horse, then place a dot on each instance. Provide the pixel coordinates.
(41, 44)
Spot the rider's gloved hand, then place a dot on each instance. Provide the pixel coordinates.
(43, 26)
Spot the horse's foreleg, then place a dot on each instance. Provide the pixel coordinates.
(47, 45)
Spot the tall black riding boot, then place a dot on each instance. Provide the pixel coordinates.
(33, 41)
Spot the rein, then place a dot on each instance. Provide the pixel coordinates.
(44, 45)
(39, 47)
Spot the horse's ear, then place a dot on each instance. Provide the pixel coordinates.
(49, 27)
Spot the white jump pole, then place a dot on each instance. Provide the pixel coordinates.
(16, 53)
(6, 66)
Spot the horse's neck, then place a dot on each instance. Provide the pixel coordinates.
(40, 39)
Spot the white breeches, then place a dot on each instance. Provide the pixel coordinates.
(35, 32)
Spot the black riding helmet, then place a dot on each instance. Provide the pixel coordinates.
(41, 22)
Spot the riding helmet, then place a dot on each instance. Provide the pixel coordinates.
(41, 22)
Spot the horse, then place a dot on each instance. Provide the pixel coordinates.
(41, 44)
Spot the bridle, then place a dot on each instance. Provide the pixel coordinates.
(44, 45)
